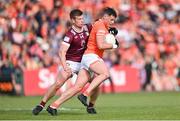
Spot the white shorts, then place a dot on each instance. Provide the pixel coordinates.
(75, 66)
(89, 59)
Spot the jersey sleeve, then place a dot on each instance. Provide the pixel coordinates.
(68, 38)
(100, 30)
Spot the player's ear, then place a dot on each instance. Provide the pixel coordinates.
(73, 21)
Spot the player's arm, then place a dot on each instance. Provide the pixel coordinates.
(64, 46)
(62, 53)
(113, 30)
(100, 38)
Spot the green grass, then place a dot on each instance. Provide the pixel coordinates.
(126, 106)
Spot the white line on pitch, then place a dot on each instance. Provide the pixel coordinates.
(28, 109)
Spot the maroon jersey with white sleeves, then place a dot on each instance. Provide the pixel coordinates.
(77, 42)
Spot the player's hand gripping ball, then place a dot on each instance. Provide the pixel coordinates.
(113, 31)
(110, 39)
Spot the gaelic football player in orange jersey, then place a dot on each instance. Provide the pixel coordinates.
(91, 61)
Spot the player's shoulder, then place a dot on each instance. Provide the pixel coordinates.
(98, 23)
(87, 27)
(69, 35)
(71, 32)
(99, 27)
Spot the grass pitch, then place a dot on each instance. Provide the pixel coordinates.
(125, 106)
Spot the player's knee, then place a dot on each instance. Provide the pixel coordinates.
(78, 88)
(106, 75)
(67, 76)
(58, 83)
(64, 75)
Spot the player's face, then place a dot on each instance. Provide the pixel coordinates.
(109, 19)
(78, 21)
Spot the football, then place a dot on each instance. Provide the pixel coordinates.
(109, 38)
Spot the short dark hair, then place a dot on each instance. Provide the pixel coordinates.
(74, 13)
(109, 11)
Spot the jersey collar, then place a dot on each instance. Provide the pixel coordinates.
(75, 29)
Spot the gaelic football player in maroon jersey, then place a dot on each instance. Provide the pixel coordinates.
(71, 51)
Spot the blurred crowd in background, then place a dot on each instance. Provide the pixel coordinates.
(149, 36)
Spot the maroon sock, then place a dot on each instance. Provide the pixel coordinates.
(91, 104)
(43, 103)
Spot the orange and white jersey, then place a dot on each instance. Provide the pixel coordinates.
(99, 29)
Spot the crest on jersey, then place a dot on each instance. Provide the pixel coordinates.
(66, 39)
(81, 35)
(87, 33)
